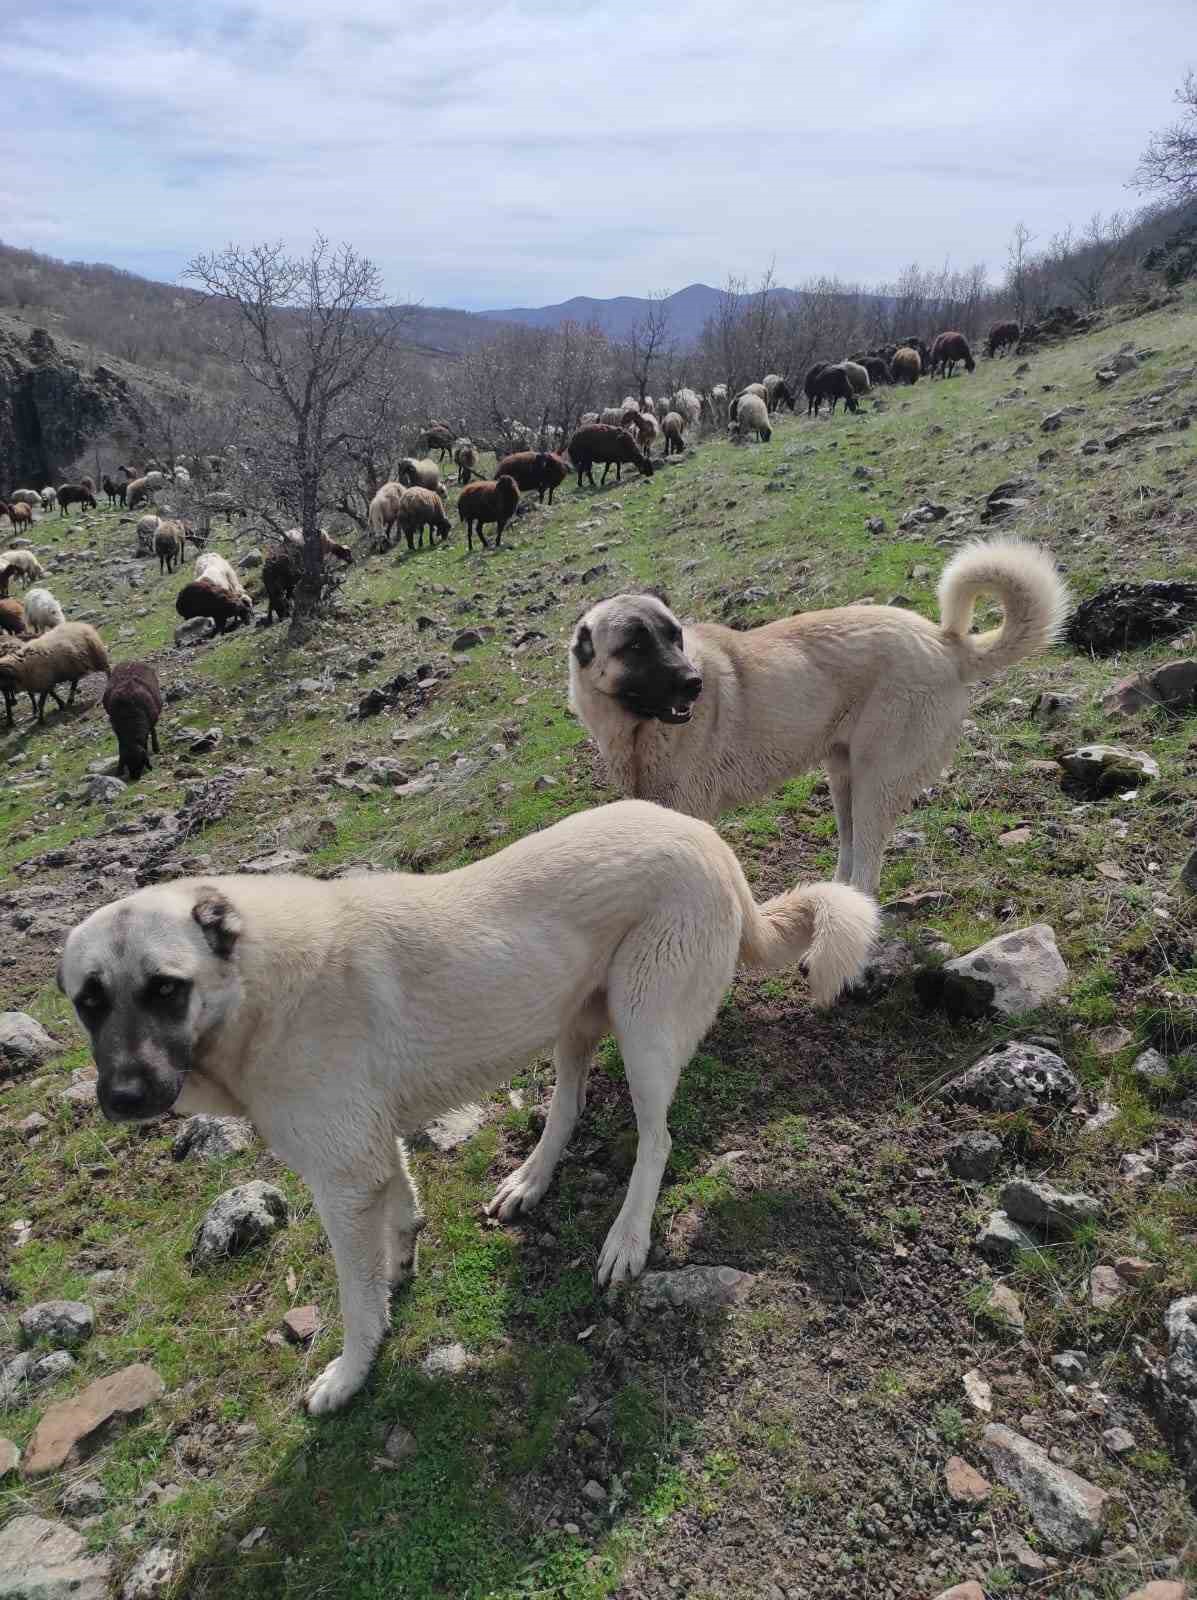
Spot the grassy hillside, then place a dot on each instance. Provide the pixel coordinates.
(591, 1447)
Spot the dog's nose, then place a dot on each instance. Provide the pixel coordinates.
(126, 1097)
(692, 686)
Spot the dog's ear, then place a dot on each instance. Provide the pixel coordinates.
(658, 594)
(583, 646)
(219, 919)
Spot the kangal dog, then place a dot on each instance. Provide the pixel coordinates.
(711, 719)
(341, 1017)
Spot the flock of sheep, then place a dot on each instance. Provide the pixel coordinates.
(40, 650)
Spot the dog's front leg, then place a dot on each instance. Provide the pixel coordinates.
(356, 1221)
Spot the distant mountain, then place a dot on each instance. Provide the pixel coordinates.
(689, 311)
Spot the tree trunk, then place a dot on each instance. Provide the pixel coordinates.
(307, 590)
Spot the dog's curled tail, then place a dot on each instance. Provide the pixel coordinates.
(1034, 598)
(828, 927)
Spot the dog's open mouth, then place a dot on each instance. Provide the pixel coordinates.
(681, 712)
(673, 711)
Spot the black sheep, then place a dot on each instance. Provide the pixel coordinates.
(133, 701)
(599, 442)
(948, 349)
(202, 598)
(831, 384)
(1001, 335)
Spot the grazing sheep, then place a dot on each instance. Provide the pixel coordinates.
(877, 368)
(384, 511)
(673, 425)
(42, 611)
(156, 478)
(137, 490)
(328, 545)
(438, 436)
(858, 375)
(752, 416)
(280, 574)
(22, 564)
(614, 447)
(413, 474)
(924, 355)
(20, 515)
(64, 655)
(420, 509)
(906, 365)
(181, 475)
(611, 416)
(147, 527)
(203, 598)
(1001, 335)
(133, 701)
(830, 383)
(717, 399)
(650, 405)
(783, 396)
(758, 389)
(49, 499)
(87, 483)
(71, 494)
(587, 418)
(535, 469)
(688, 404)
(12, 617)
(494, 501)
(645, 428)
(211, 567)
(114, 490)
(169, 545)
(948, 349)
(466, 459)
(30, 497)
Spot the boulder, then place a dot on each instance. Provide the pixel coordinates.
(1055, 420)
(1140, 430)
(1015, 972)
(1069, 1511)
(238, 1220)
(1016, 1076)
(24, 1042)
(1001, 1240)
(102, 791)
(61, 1323)
(212, 1138)
(194, 631)
(975, 1157)
(31, 1369)
(68, 1427)
(42, 1560)
(694, 1288)
(1040, 1205)
(1125, 614)
(1109, 768)
(1172, 685)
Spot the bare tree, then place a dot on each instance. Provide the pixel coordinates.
(308, 331)
(1018, 270)
(647, 343)
(1083, 262)
(1169, 163)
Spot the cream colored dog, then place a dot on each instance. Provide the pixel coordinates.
(710, 718)
(341, 1017)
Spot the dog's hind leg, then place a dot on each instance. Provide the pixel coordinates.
(523, 1188)
(356, 1221)
(404, 1221)
(840, 779)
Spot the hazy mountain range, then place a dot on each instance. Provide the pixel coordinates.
(689, 310)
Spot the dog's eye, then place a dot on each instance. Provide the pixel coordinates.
(166, 989)
(91, 1005)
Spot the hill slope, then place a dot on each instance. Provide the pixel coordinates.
(586, 1445)
(689, 309)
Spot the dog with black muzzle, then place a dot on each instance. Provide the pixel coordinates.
(702, 718)
(342, 1017)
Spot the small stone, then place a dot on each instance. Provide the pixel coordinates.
(1111, 1041)
(1001, 1240)
(694, 1288)
(238, 1220)
(41, 1560)
(153, 1574)
(302, 1323)
(1109, 768)
(23, 1041)
(1152, 1068)
(276, 861)
(1118, 1441)
(10, 1457)
(1135, 1271)
(468, 639)
(964, 1484)
(1136, 1166)
(31, 1369)
(1015, 1077)
(1070, 1365)
(252, 1539)
(447, 1360)
(86, 1497)
(1016, 972)
(1068, 1511)
(975, 1157)
(212, 1138)
(544, 782)
(962, 1591)
(33, 1124)
(64, 1324)
(1106, 1288)
(1106, 1113)
(1015, 838)
(399, 1444)
(1028, 1563)
(1160, 1589)
(1039, 1205)
(66, 1427)
(102, 791)
(1004, 1307)
(194, 631)
(594, 1492)
(979, 1392)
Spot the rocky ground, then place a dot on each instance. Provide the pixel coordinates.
(918, 1314)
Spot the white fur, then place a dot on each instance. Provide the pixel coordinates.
(350, 1013)
(21, 563)
(210, 564)
(42, 611)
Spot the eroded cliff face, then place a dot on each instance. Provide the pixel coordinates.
(52, 404)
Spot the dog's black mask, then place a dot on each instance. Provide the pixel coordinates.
(657, 680)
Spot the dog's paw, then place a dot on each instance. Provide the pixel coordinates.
(519, 1192)
(335, 1387)
(623, 1255)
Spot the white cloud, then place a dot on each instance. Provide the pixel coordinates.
(517, 151)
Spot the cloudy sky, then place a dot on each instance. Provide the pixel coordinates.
(491, 154)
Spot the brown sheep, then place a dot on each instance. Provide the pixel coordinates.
(906, 365)
(169, 545)
(493, 501)
(440, 437)
(22, 564)
(20, 515)
(673, 425)
(328, 545)
(612, 446)
(384, 512)
(1001, 335)
(63, 655)
(280, 573)
(646, 428)
(466, 458)
(12, 618)
(535, 469)
(70, 494)
(948, 349)
(133, 701)
(420, 509)
(203, 598)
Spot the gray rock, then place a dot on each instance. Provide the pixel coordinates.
(456, 1127)
(1016, 972)
(1151, 1068)
(83, 1498)
(889, 961)
(1142, 430)
(1001, 1240)
(276, 861)
(448, 1360)
(399, 1444)
(194, 631)
(212, 1138)
(41, 1560)
(975, 1157)
(1069, 1511)
(153, 1574)
(1055, 420)
(694, 1288)
(102, 791)
(593, 1491)
(238, 1220)
(64, 1323)
(468, 639)
(1118, 1441)
(31, 1369)
(10, 1457)
(1071, 1365)
(1181, 1322)
(1014, 1077)
(23, 1041)
(1172, 685)
(1136, 1166)
(250, 560)
(1039, 1205)
(1053, 705)
(1109, 768)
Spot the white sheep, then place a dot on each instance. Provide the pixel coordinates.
(858, 376)
(22, 564)
(49, 498)
(42, 611)
(688, 404)
(752, 416)
(212, 567)
(147, 528)
(31, 497)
